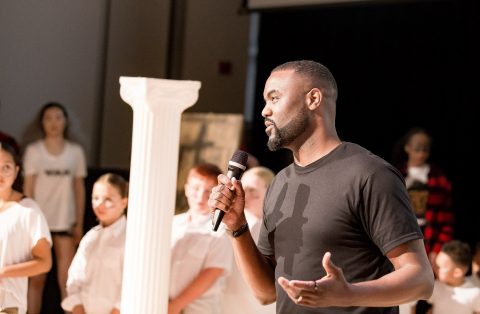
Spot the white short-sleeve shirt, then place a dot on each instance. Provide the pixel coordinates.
(237, 290)
(54, 184)
(196, 247)
(464, 299)
(95, 275)
(21, 227)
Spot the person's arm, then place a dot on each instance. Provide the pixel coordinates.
(79, 189)
(257, 269)
(40, 263)
(411, 280)
(28, 184)
(78, 309)
(205, 279)
(76, 279)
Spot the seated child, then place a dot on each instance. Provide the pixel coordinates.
(201, 257)
(94, 284)
(453, 292)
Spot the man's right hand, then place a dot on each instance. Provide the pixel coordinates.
(229, 196)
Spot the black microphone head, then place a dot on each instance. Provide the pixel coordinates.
(240, 157)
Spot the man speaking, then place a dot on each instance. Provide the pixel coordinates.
(338, 234)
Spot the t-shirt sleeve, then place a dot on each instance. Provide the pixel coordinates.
(38, 227)
(220, 254)
(30, 160)
(387, 217)
(81, 165)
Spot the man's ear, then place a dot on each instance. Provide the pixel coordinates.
(314, 98)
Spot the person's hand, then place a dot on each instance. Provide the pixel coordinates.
(173, 307)
(77, 233)
(229, 196)
(78, 309)
(115, 311)
(331, 290)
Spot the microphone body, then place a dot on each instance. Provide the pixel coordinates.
(236, 166)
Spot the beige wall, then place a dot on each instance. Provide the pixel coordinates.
(137, 46)
(213, 32)
(75, 51)
(216, 32)
(51, 51)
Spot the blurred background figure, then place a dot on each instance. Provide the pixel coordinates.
(430, 193)
(429, 189)
(55, 169)
(201, 257)
(94, 282)
(24, 237)
(454, 292)
(255, 182)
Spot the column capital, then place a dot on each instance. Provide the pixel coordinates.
(153, 92)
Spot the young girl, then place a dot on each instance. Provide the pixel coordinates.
(94, 282)
(24, 237)
(55, 169)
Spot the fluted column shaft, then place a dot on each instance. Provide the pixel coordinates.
(157, 107)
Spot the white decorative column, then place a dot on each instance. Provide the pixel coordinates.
(157, 108)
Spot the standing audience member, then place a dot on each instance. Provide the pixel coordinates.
(24, 237)
(338, 233)
(55, 169)
(201, 258)
(255, 182)
(94, 282)
(428, 188)
(453, 292)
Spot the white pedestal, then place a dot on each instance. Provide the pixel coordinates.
(157, 108)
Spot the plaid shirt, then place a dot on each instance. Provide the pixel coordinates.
(432, 202)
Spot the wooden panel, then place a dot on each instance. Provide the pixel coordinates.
(206, 137)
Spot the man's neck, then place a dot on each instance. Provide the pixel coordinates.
(314, 149)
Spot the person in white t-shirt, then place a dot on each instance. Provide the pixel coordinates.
(255, 182)
(453, 291)
(94, 284)
(55, 169)
(201, 258)
(24, 237)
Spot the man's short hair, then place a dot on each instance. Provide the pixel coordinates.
(320, 75)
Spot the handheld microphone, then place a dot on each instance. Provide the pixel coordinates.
(236, 166)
